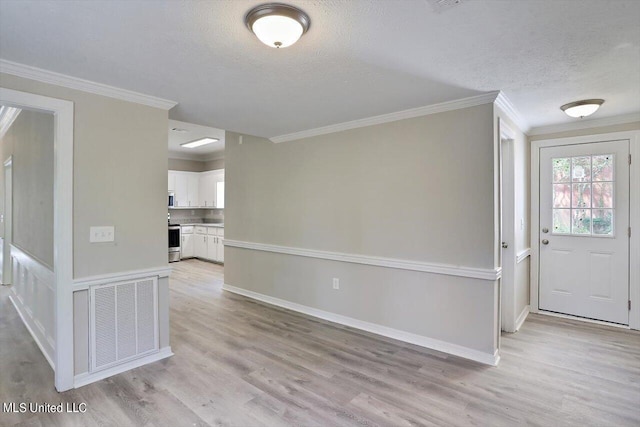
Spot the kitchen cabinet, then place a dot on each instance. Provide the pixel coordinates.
(197, 189)
(193, 193)
(220, 248)
(172, 181)
(200, 245)
(181, 190)
(208, 243)
(186, 246)
(207, 190)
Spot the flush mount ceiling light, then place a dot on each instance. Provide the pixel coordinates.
(199, 142)
(277, 25)
(584, 108)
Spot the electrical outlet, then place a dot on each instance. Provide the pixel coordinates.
(101, 234)
(336, 283)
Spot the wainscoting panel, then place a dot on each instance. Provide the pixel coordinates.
(33, 296)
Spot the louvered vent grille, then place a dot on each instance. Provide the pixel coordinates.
(123, 321)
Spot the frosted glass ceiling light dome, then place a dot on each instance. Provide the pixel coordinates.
(584, 108)
(277, 25)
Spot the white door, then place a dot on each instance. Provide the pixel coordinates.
(584, 226)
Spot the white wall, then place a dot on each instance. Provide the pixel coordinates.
(420, 189)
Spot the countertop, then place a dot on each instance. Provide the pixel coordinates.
(202, 224)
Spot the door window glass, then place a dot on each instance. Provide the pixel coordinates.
(583, 195)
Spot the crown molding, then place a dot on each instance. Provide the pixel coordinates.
(507, 106)
(472, 101)
(45, 76)
(586, 124)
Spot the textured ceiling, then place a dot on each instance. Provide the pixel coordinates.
(359, 59)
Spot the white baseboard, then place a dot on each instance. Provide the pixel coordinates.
(522, 317)
(83, 379)
(33, 335)
(445, 347)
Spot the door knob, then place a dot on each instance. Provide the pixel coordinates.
(505, 245)
(545, 242)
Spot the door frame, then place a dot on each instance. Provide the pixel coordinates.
(634, 214)
(7, 272)
(507, 228)
(62, 223)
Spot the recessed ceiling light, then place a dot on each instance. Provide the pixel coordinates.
(584, 108)
(276, 24)
(199, 142)
(179, 130)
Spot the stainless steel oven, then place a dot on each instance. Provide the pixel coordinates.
(174, 243)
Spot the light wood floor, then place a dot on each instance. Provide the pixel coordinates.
(241, 363)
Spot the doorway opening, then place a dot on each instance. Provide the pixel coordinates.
(38, 258)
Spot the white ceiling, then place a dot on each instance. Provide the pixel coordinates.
(190, 132)
(360, 58)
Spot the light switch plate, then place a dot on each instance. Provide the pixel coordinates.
(102, 234)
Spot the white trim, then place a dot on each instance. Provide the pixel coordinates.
(634, 217)
(585, 124)
(522, 317)
(8, 115)
(522, 255)
(582, 319)
(442, 107)
(508, 108)
(445, 347)
(85, 282)
(63, 112)
(45, 76)
(85, 378)
(42, 348)
(445, 269)
(507, 229)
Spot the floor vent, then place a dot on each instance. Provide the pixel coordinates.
(124, 321)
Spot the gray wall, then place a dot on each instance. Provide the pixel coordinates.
(30, 142)
(419, 189)
(120, 179)
(195, 165)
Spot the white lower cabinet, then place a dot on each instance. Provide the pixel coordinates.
(207, 243)
(187, 248)
(200, 245)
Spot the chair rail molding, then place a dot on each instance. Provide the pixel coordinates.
(425, 267)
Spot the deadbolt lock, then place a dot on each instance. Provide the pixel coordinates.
(545, 230)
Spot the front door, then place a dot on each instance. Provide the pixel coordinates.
(584, 230)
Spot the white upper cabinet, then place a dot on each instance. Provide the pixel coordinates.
(198, 189)
(207, 190)
(181, 190)
(193, 186)
(172, 181)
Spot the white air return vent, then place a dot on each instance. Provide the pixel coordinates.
(124, 321)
